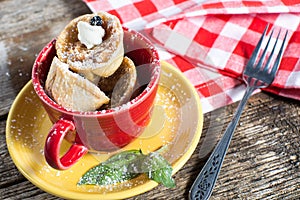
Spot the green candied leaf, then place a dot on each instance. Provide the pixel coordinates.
(124, 158)
(105, 175)
(127, 165)
(99, 175)
(158, 169)
(114, 170)
(163, 176)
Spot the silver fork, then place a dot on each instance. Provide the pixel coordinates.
(256, 76)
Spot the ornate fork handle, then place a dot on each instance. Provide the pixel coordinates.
(204, 183)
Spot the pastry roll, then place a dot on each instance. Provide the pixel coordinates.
(71, 90)
(121, 84)
(92, 62)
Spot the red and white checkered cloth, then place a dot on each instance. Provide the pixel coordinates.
(211, 41)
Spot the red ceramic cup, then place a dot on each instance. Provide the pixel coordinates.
(99, 131)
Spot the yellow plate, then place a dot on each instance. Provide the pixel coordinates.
(176, 123)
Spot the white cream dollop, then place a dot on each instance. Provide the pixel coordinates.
(90, 35)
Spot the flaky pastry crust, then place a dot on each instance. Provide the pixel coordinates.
(71, 90)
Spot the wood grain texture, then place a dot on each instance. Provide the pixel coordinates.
(263, 159)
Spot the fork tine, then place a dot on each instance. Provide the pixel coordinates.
(263, 56)
(256, 50)
(266, 68)
(279, 56)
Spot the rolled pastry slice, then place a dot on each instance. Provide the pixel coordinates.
(100, 60)
(121, 84)
(71, 90)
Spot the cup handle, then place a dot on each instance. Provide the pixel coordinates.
(53, 144)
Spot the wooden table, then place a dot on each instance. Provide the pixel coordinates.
(264, 156)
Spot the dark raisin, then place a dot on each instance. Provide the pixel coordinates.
(96, 21)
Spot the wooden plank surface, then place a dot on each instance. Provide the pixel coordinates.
(262, 161)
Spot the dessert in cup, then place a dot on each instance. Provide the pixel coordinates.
(97, 82)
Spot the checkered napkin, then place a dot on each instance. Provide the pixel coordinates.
(211, 41)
